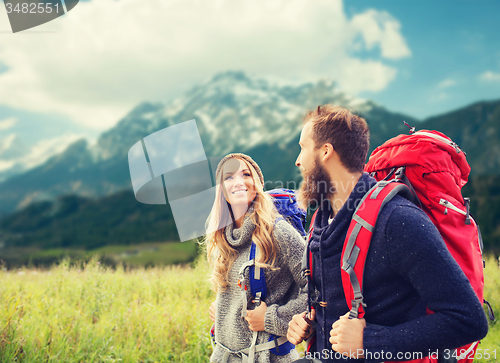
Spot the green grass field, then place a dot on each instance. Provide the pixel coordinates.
(95, 314)
(144, 254)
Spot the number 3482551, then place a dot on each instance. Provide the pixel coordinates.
(476, 355)
(32, 8)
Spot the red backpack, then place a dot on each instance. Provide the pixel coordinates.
(429, 169)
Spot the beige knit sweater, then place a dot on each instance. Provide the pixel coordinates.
(286, 294)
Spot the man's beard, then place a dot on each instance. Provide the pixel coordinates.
(316, 187)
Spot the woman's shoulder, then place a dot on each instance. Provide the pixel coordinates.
(290, 243)
(284, 232)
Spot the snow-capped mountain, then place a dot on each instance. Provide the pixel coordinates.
(12, 147)
(234, 112)
(17, 157)
(11, 150)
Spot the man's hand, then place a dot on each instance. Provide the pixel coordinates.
(255, 317)
(347, 335)
(300, 327)
(211, 311)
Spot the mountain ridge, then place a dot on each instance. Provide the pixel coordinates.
(238, 113)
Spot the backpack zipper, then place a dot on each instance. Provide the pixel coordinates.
(451, 206)
(443, 139)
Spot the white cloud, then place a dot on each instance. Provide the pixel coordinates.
(436, 98)
(105, 56)
(365, 75)
(379, 28)
(490, 76)
(8, 123)
(442, 96)
(447, 83)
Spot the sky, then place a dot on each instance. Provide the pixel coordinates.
(77, 75)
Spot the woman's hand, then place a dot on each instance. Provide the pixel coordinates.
(255, 317)
(211, 311)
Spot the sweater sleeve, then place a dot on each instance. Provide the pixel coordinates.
(292, 247)
(418, 253)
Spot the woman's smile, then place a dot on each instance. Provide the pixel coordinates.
(239, 184)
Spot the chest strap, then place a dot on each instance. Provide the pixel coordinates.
(247, 354)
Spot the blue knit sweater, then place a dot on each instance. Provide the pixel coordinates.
(408, 268)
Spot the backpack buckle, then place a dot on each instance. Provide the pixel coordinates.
(355, 307)
(241, 287)
(276, 345)
(257, 298)
(357, 302)
(354, 312)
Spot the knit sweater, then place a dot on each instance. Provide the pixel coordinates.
(285, 294)
(408, 268)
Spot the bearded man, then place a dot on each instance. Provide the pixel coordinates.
(408, 267)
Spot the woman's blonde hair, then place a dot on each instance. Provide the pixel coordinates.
(220, 253)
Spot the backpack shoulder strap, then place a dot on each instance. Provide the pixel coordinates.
(307, 263)
(307, 266)
(358, 239)
(256, 276)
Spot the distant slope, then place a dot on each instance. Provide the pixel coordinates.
(484, 194)
(476, 128)
(77, 222)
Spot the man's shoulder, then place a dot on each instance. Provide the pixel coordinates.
(401, 211)
(404, 204)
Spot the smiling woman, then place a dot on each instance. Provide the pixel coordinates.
(238, 187)
(244, 233)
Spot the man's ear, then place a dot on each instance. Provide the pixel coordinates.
(327, 152)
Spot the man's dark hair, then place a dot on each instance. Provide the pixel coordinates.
(348, 133)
